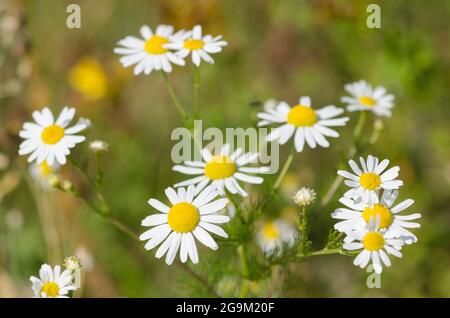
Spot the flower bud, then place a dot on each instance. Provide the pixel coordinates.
(98, 146)
(304, 196)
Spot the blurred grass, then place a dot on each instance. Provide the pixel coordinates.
(277, 49)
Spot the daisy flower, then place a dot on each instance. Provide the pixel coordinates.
(357, 215)
(364, 97)
(197, 45)
(48, 139)
(150, 52)
(273, 235)
(43, 171)
(304, 122)
(188, 216)
(375, 245)
(366, 182)
(52, 283)
(222, 170)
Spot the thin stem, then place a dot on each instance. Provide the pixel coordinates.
(331, 191)
(203, 281)
(79, 168)
(353, 150)
(284, 170)
(326, 251)
(359, 125)
(196, 91)
(244, 270)
(122, 227)
(174, 97)
(98, 171)
(243, 260)
(304, 228)
(47, 221)
(129, 232)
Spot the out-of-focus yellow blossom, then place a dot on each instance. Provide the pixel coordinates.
(289, 184)
(89, 78)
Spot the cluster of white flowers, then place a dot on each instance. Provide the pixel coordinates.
(194, 209)
(370, 220)
(311, 126)
(160, 49)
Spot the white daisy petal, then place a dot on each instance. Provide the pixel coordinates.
(154, 219)
(213, 218)
(213, 206)
(172, 196)
(205, 238)
(402, 206)
(213, 229)
(173, 249)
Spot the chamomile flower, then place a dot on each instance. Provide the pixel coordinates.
(364, 97)
(357, 215)
(52, 283)
(198, 45)
(188, 216)
(223, 170)
(150, 52)
(302, 122)
(273, 235)
(375, 245)
(48, 139)
(366, 182)
(42, 172)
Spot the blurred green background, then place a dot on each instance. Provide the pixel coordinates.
(277, 49)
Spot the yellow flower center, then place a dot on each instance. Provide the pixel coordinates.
(51, 289)
(45, 168)
(220, 167)
(370, 181)
(270, 231)
(52, 134)
(378, 209)
(193, 44)
(373, 241)
(367, 101)
(154, 45)
(301, 116)
(183, 217)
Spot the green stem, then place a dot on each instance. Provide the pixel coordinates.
(284, 170)
(243, 260)
(105, 212)
(202, 280)
(196, 91)
(304, 230)
(353, 150)
(244, 270)
(122, 227)
(98, 171)
(326, 251)
(359, 125)
(174, 97)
